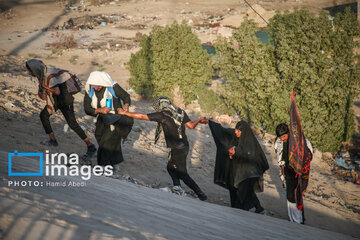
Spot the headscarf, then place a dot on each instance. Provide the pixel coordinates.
(100, 79)
(164, 105)
(38, 68)
(103, 79)
(47, 76)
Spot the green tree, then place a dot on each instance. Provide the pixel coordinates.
(141, 70)
(309, 55)
(314, 56)
(170, 57)
(247, 65)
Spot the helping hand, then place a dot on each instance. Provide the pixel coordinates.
(104, 110)
(203, 120)
(121, 111)
(126, 107)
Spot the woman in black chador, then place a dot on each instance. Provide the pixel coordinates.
(240, 164)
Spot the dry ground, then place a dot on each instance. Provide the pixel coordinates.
(331, 203)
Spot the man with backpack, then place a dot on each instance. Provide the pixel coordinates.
(102, 100)
(56, 87)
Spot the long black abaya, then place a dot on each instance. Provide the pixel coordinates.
(243, 173)
(109, 138)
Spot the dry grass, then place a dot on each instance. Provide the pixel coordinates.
(62, 41)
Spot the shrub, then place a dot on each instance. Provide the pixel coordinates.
(314, 57)
(141, 69)
(247, 65)
(62, 42)
(309, 55)
(211, 102)
(170, 57)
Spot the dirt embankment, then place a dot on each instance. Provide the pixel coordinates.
(107, 45)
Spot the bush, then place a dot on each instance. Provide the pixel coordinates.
(314, 57)
(210, 102)
(141, 69)
(309, 55)
(247, 65)
(170, 57)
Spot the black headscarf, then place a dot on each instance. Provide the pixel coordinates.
(249, 160)
(164, 105)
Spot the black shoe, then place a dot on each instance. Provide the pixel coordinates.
(260, 210)
(91, 150)
(202, 196)
(86, 158)
(50, 143)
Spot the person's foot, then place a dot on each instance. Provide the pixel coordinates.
(91, 150)
(116, 173)
(116, 169)
(49, 143)
(178, 190)
(202, 197)
(260, 210)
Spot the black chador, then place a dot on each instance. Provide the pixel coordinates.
(242, 172)
(111, 128)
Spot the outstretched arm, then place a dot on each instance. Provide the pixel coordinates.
(139, 116)
(193, 124)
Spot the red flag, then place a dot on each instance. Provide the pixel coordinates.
(299, 154)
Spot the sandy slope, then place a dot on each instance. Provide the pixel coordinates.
(110, 209)
(328, 197)
(331, 203)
